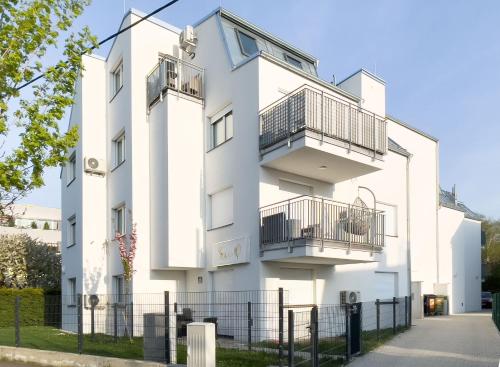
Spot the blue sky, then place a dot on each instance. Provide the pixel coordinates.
(440, 59)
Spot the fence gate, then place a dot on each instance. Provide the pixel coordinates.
(302, 341)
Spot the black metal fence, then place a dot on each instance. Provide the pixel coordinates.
(154, 326)
(496, 309)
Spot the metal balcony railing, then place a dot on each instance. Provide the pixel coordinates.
(311, 109)
(176, 74)
(308, 217)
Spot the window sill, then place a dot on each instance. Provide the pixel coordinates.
(118, 91)
(70, 182)
(220, 227)
(72, 245)
(221, 144)
(118, 165)
(71, 306)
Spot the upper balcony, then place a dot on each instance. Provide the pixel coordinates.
(315, 134)
(175, 74)
(317, 230)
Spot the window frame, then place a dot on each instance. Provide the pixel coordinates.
(242, 49)
(117, 70)
(72, 292)
(116, 210)
(295, 60)
(120, 138)
(210, 209)
(71, 232)
(119, 288)
(71, 169)
(221, 118)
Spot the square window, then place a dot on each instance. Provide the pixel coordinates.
(71, 231)
(119, 219)
(222, 129)
(248, 44)
(71, 169)
(221, 208)
(293, 61)
(119, 150)
(117, 79)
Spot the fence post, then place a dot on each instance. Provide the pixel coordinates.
(394, 315)
(132, 318)
(17, 310)
(377, 304)
(166, 304)
(291, 337)
(280, 325)
(406, 312)
(410, 310)
(92, 320)
(348, 332)
(314, 337)
(115, 322)
(80, 322)
(249, 324)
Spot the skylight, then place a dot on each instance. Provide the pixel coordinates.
(248, 44)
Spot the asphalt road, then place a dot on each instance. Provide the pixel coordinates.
(468, 340)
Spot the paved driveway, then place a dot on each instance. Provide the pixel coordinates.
(469, 340)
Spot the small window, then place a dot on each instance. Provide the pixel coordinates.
(248, 45)
(222, 129)
(221, 208)
(71, 168)
(117, 79)
(118, 288)
(71, 231)
(72, 292)
(119, 219)
(119, 150)
(293, 61)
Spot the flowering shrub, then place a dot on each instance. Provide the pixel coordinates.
(127, 255)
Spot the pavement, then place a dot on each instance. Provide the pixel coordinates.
(467, 340)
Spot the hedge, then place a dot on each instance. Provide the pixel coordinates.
(31, 310)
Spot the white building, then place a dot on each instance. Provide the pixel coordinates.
(242, 170)
(40, 223)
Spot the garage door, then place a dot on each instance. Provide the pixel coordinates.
(299, 284)
(386, 285)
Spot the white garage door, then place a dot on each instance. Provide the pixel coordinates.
(386, 285)
(299, 284)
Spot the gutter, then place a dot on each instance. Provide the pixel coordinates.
(438, 195)
(408, 231)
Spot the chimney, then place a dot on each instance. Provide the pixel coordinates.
(454, 193)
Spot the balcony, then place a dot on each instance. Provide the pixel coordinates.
(174, 74)
(309, 129)
(309, 229)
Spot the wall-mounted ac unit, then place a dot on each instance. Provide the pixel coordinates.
(188, 41)
(350, 297)
(95, 165)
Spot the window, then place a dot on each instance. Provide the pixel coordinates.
(293, 61)
(119, 150)
(71, 169)
(72, 292)
(390, 218)
(221, 208)
(118, 288)
(248, 45)
(119, 219)
(117, 79)
(71, 231)
(222, 129)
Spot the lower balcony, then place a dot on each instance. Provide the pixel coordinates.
(315, 230)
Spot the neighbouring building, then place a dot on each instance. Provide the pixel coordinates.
(243, 170)
(40, 223)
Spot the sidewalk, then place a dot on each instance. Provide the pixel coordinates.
(467, 340)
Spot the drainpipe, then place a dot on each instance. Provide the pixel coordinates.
(438, 280)
(408, 241)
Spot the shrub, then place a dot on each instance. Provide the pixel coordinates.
(46, 226)
(31, 307)
(33, 225)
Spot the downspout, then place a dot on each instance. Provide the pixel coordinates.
(408, 241)
(437, 213)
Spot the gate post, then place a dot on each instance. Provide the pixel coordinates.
(348, 332)
(406, 312)
(17, 320)
(410, 310)
(92, 320)
(394, 315)
(377, 304)
(166, 304)
(79, 317)
(115, 322)
(280, 325)
(291, 337)
(250, 322)
(314, 337)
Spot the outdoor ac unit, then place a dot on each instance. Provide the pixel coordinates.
(94, 165)
(350, 297)
(188, 40)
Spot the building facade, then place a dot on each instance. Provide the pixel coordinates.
(243, 170)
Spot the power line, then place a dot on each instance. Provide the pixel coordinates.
(172, 2)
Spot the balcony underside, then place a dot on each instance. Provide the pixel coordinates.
(308, 153)
(312, 251)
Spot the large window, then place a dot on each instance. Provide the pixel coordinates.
(248, 44)
(222, 129)
(71, 231)
(117, 79)
(72, 292)
(119, 219)
(119, 150)
(221, 208)
(71, 168)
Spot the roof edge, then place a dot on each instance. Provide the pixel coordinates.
(414, 129)
(367, 73)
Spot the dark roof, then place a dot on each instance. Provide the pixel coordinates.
(395, 147)
(447, 199)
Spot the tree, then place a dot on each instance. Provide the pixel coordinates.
(28, 30)
(490, 254)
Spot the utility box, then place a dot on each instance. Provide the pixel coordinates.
(154, 337)
(201, 344)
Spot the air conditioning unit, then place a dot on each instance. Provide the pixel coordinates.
(350, 297)
(94, 165)
(188, 40)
